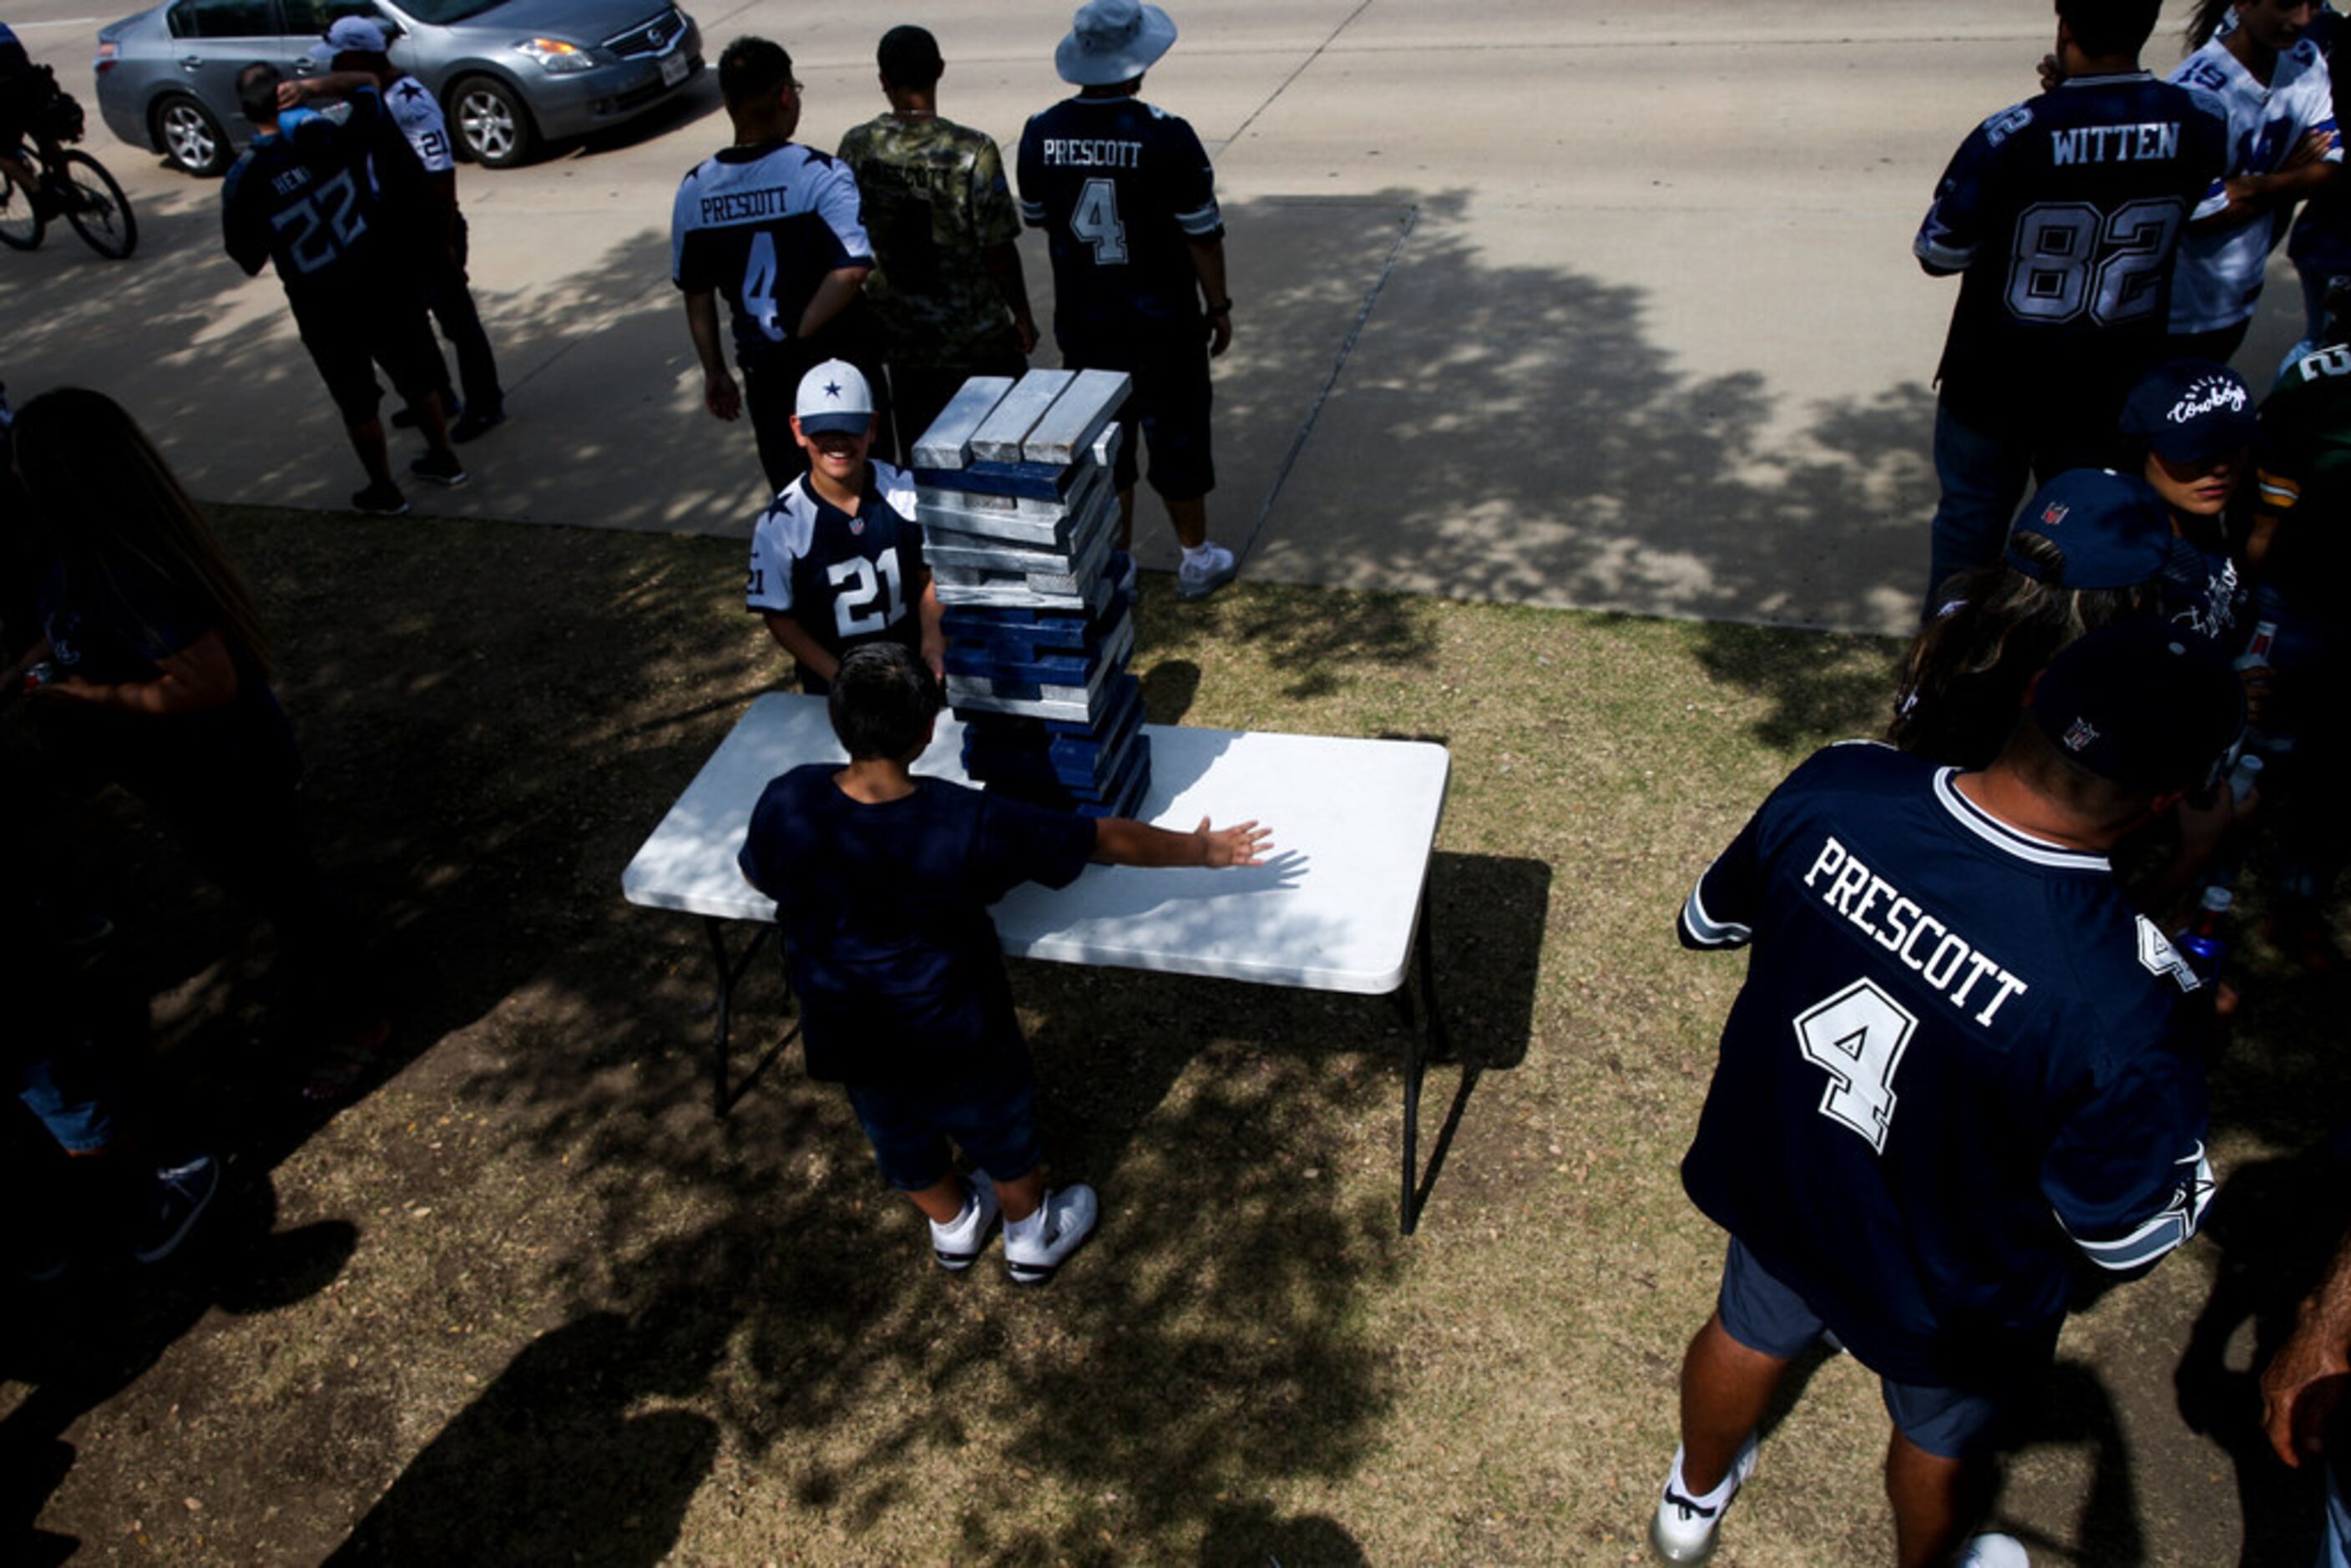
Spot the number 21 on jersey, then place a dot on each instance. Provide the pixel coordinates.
(1857, 1036)
(868, 596)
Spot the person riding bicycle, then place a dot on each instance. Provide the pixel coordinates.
(27, 90)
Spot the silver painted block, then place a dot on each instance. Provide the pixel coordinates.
(998, 437)
(947, 442)
(1077, 417)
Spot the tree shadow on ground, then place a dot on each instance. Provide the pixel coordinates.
(1512, 433)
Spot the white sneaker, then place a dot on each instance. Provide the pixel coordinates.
(1994, 1551)
(956, 1244)
(1214, 568)
(1042, 1243)
(1683, 1529)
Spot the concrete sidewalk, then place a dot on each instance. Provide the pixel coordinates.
(1538, 300)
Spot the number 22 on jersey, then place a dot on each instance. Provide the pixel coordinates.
(1857, 1036)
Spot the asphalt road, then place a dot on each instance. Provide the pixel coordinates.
(1540, 300)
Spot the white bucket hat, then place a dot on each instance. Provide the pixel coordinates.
(1112, 41)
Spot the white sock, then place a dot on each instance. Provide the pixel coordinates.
(1713, 1499)
(1197, 555)
(1029, 1229)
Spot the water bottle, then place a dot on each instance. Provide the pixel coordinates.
(2245, 776)
(2201, 941)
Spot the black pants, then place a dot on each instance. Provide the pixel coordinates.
(461, 324)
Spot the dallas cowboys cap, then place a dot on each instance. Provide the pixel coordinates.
(2192, 410)
(2112, 530)
(2148, 703)
(355, 35)
(833, 396)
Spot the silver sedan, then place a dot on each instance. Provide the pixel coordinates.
(510, 73)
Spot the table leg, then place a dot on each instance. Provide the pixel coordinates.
(731, 969)
(1424, 1041)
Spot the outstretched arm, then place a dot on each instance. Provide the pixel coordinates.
(1121, 841)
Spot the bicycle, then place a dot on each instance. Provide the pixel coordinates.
(85, 194)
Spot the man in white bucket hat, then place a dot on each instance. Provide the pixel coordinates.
(1128, 202)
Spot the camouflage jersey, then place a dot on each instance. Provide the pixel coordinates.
(935, 199)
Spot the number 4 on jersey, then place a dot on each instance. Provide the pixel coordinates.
(1858, 1036)
(1095, 221)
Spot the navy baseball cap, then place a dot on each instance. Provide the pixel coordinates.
(2148, 703)
(833, 396)
(2112, 528)
(2192, 410)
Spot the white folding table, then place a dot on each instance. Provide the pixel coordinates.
(1342, 906)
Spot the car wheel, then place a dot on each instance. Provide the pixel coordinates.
(190, 137)
(492, 124)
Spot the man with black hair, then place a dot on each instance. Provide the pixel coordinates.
(1960, 1066)
(948, 292)
(775, 226)
(2063, 214)
(882, 881)
(341, 209)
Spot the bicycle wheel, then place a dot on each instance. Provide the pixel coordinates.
(96, 205)
(20, 225)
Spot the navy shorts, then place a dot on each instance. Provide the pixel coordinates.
(1764, 1315)
(348, 343)
(1169, 366)
(994, 1123)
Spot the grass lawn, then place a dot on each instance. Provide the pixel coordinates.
(526, 1300)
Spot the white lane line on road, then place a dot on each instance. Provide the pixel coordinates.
(1314, 410)
(1293, 76)
(68, 22)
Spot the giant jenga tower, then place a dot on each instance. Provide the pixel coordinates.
(1019, 526)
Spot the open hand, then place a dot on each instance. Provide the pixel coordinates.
(1243, 844)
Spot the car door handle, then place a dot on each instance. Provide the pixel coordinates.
(191, 62)
(305, 65)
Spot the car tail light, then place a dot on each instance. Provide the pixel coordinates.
(109, 57)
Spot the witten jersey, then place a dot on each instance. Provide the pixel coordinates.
(846, 580)
(1953, 1065)
(2305, 484)
(1120, 189)
(763, 225)
(418, 114)
(2220, 274)
(2064, 213)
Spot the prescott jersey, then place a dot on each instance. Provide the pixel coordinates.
(418, 114)
(884, 909)
(335, 206)
(846, 580)
(1952, 1067)
(764, 226)
(2220, 274)
(2063, 214)
(935, 201)
(1121, 188)
(2306, 482)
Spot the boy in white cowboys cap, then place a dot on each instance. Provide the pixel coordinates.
(837, 557)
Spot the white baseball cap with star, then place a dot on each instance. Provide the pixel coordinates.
(833, 396)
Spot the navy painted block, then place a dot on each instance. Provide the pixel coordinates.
(1037, 481)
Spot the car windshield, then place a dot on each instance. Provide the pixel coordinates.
(444, 11)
